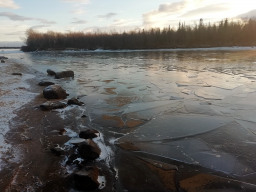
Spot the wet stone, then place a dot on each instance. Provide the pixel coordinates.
(50, 72)
(89, 134)
(54, 92)
(18, 74)
(2, 61)
(45, 83)
(49, 105)
(75, 101)
(86, 179)
(64, 74)
(89, 150)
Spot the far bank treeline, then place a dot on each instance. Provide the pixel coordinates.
(224, 33)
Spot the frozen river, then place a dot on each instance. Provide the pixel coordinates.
(195, 106)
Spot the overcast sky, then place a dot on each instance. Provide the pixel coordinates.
(16, 16)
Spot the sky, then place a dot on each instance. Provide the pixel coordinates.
(17, 16)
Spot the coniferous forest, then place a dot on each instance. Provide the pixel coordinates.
(221, 34)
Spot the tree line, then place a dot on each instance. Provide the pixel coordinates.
(223, 33)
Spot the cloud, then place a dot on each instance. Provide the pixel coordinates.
(187, 10)
(78, 11)
(154, 17)
(173, 7)
(79, 21)
(217, 8)
(8, 4)
(15, 17)
(78, 1)
(44, 21)
(107, 16)
(39, 26)
(250, 14)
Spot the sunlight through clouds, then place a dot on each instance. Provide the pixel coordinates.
(192, 10)
(8, 4)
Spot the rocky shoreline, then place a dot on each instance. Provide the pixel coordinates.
(56, 153)
(51, 159)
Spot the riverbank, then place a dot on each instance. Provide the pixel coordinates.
(31, 164)
(128, 163)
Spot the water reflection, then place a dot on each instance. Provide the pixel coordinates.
(193, 106)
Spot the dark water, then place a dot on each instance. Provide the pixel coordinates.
(194, 106)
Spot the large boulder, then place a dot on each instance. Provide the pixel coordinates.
(54, 92)
(86, 179)
(89, 134)
(64, 74)
(89, 150)
(49, 105)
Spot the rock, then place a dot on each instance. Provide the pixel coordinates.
(64, 74)
(20, 74)
(87, 179)
(84, 116)
(49, 105)
(45, 83)
(2, 61)
(57, 151)
(54, 92)
(89, 150)
(3, 58)
(75, 101)
(51, 72)
(62, 131)
(89, 134)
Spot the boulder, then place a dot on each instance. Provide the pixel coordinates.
(75, 101)
(64, 74)
(89, 134)
(49, 105)
(89, 150)
(86, 179)
(50, 72)
(54, 92)
(45, 83)
(2, 61)
(20, 74)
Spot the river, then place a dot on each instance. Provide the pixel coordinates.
(195, 106)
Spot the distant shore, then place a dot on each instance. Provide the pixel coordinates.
(224, 34)
(10, 47)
